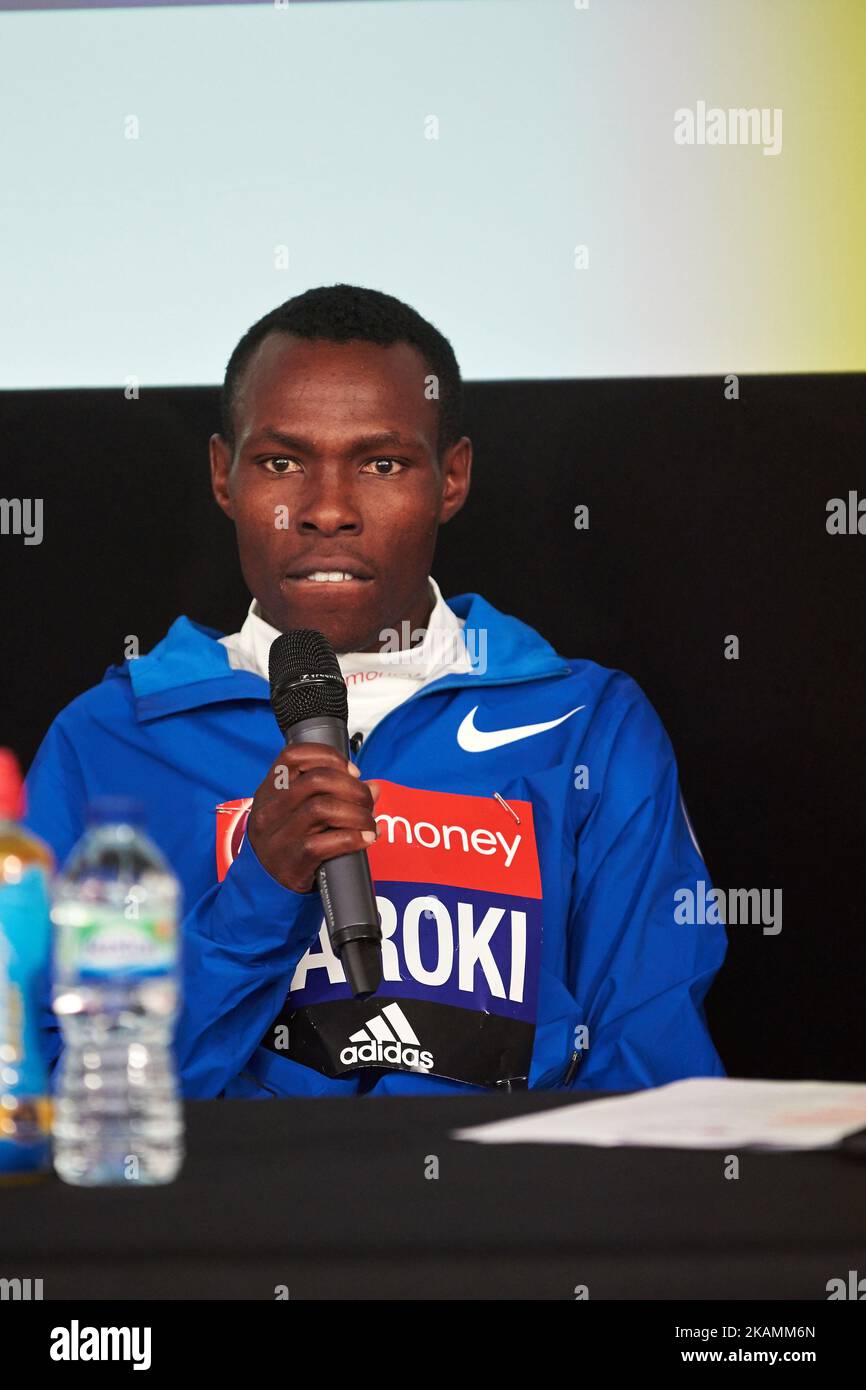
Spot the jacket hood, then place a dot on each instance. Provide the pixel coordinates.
(190, 668)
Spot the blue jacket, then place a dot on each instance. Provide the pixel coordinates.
(610, 986)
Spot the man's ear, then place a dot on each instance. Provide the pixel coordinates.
(220, 467)
(456, 477)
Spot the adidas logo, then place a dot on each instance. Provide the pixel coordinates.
(379, 1042)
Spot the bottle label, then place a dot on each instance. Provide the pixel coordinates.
(25, 937)
(107, 946)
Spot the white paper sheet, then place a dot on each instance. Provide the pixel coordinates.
(704, 1113)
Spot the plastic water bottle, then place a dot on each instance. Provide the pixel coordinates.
(117, 1116)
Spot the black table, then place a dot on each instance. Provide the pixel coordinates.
(329, 1198)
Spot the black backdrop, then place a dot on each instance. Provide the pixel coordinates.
(707, 518)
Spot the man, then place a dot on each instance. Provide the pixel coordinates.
(522, 812)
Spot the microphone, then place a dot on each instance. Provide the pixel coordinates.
(310, 704)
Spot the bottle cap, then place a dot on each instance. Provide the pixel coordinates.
(115, 810)
(12, 800)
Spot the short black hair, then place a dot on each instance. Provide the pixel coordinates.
(339, 314)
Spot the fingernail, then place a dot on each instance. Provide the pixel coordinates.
(355, 771)
(369, 835)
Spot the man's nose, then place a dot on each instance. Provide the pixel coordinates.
(327, 505)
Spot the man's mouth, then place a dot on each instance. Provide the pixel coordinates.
(330, 577)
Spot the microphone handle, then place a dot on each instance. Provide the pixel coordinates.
(345, 882)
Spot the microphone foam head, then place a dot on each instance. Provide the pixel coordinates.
(305, 677)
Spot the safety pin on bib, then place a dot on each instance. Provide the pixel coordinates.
(508, 808)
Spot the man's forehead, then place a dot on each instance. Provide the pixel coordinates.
(354, 381)
(289, 437)
(282, 359)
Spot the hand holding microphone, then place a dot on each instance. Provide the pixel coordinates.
(318, 827)
(326, 810)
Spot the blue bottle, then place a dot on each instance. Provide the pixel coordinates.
(26, 866)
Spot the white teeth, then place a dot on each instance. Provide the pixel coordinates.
(329, 576)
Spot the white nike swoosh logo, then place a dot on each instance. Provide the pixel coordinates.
(474, 740)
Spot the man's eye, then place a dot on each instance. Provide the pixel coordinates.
(280, 465)
(393, 466)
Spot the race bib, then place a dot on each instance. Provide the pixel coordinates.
(458, 891)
